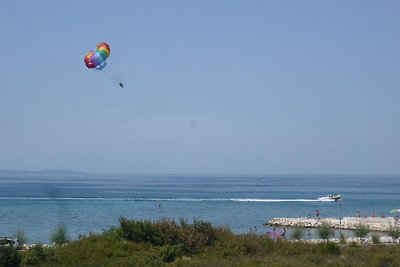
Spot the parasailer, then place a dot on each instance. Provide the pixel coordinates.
(96, 58)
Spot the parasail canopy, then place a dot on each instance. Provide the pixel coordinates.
(96, 58)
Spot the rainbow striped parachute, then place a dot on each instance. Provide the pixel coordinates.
(96, 58)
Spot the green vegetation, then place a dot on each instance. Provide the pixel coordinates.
(361, 231)
(20, 235)
(59, 235)
(297, 233)
(37, 255)
(9, 257)
(329, 248)
(375, 239)
(342, 239)
(394, 232)
(170, 243)
(324, 231)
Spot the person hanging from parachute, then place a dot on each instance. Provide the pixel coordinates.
(96, 58)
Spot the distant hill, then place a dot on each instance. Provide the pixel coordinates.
(6, 171)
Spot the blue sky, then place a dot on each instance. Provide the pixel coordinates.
(237, 87)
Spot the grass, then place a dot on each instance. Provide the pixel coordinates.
(361, 231)
(297, 233)
(394, 232)
(168, 243)
(59, 235)
(20, 235)
(324, 231)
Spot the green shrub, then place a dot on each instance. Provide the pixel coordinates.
(249, 245)
(157, 233)
(394, 232)
(324, 231)
(375, 239)
(38, 255)
(383, 259)
(169, 253)
(192, 237)
(361, 231)
(134, 230)
(205, 229)
(297, 233)
(9, 257)
(183, 223)
(59, 236)
(329, 247)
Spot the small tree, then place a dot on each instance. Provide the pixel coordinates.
(297, 233)
(361, 231)
(324, 231)
(393, 232)
(59, 235)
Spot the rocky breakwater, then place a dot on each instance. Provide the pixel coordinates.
(347, 223)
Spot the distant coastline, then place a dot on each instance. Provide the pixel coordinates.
(283, 175)
(49, 171)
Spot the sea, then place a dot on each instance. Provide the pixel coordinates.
(37, 202)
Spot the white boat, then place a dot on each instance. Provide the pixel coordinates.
(334, 197)
(330, 198)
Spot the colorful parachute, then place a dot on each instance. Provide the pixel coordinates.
(96, 58)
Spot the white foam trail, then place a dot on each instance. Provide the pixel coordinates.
(325, 199)
(272, 200)
(163, 199)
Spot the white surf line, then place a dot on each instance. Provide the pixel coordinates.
(162, 199)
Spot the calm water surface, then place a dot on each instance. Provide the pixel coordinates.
(38, 202)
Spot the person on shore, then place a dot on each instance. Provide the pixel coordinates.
(317, 214)
(274, 231)
(358, 214)
(283, 232)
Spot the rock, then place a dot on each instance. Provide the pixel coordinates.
(347, 223)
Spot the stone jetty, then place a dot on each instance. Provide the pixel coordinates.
(347, 223)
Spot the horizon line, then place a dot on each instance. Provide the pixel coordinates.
(68, 171)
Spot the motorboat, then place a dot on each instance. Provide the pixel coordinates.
(334, 197)
(330, 198)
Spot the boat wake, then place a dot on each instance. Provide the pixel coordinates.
(324, 199)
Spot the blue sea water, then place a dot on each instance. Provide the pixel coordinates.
(38, 202)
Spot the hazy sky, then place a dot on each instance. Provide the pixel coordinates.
(237, 87)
